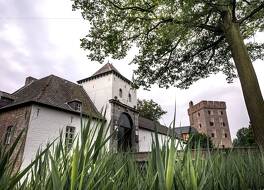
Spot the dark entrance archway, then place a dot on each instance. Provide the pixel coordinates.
(124, 134)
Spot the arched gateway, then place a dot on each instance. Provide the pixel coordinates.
(124, 133)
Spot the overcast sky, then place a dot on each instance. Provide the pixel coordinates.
(39, 38)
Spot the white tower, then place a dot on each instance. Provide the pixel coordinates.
(110, 90)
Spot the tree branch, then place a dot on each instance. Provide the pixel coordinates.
(255, 11)
(136, 8)
(210, 28)
(246, 2)
(215, 43)
(234, 10)
(157, 25)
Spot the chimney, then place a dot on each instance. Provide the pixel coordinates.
(191, 104)
(29, 80)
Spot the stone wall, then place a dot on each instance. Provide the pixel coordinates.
(117, 108)
(209, 117)
(19, 119)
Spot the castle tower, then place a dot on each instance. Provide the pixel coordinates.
(210, 118)
(110, 90)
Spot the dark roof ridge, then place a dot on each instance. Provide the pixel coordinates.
(50, 77)
(55, 91)
(104, 70)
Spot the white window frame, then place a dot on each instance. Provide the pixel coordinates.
(69, 136)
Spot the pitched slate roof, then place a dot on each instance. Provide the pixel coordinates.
(5, 98)
(150, 125)
(185, 129)
(105, 70)
(56, 92)
(6, 95)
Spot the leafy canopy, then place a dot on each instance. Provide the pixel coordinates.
(244, 138)
(200, 140)
(150, 109)
(179, 41)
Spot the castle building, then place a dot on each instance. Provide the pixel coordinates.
(48, 106)
(210, 118)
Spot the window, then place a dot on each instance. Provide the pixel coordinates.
(120, 93)
(211, 123)
(223, 146)
(225, 135)
(129, 97)
(200, 125)
(9, 133)
(213, 135)
(198, 114)
(220, 112)
(223, 124)
(69, 136)
(209, 112)
(77, 106)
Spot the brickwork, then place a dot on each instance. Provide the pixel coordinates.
(19, 119)
(210, 118)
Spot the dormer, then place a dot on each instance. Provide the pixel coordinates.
(76, 105)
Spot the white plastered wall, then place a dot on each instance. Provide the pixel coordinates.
(44, 126)
(145, 140)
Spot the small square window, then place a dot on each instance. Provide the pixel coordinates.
(200, 125)
(225, 135)
(209, 112)
(198, 114)
(213, 135)
(211, 123)
(224, 124)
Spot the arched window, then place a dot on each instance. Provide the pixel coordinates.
(129, 97)
(120, 93)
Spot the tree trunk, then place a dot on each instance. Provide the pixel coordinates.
(248, 79)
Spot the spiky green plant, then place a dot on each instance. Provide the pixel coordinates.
(89, 165)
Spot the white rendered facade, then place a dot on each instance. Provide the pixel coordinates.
(44, 126)
(107, 87)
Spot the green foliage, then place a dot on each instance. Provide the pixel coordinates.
(89, 166)
(150, 109)
(200, 140)
(245, 138)
(179, 41)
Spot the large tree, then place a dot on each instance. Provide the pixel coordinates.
(150, 109)
(244, 138)
(181, 42)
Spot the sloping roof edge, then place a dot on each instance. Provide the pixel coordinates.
(31, 102)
